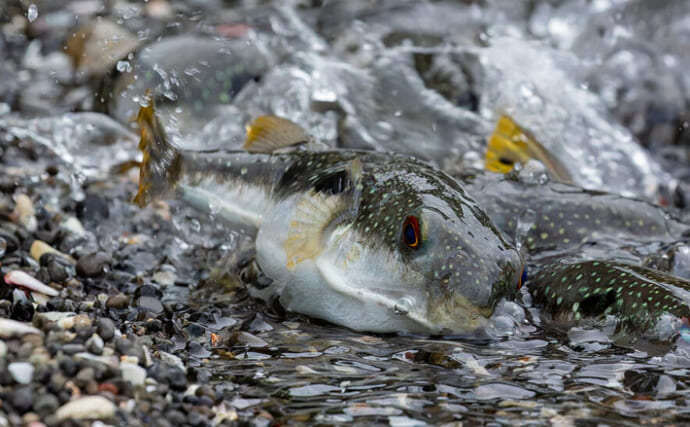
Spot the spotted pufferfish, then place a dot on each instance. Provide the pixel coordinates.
(372, 241)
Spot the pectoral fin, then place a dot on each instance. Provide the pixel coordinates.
(314, 212)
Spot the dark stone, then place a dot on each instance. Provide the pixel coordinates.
(105, 328)
(168, 374)
(69, 366)
(21, 399)
(72, 349)
(57, 382)
(149, 304)
(12, 244)
(58, 268)
(197, 419)
(5, 376)
(22, 310)
(84, 376)
(92, 209)
(148, 291)
(45, 404)
(93, 264)
(176, 417)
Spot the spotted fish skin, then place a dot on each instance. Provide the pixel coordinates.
(568, 216)
(358, 271)
(637, 296)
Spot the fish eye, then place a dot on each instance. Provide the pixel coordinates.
(505, 161)
(411, 233)
(523, 278)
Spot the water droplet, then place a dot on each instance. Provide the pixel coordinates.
(472, 160)
(32, 13)
(533, 172)
(124, 66)
(403, 305)
(524, 224)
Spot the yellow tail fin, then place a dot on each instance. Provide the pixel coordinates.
(160, 166)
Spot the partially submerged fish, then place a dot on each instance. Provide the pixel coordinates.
(371, 241)
(637, 296)
(567, 217)
(509, 145)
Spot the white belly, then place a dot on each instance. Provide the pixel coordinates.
(304, 289)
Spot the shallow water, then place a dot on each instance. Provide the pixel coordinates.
(425, 79)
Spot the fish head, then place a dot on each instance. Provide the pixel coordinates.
(447, 265)
(462, 263)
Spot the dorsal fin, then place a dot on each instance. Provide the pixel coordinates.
(269, 133)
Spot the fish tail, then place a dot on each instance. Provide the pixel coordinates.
(161, 163)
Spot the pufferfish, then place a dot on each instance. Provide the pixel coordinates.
(372, 241)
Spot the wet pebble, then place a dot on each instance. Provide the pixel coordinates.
(118, 301)
(133, 373)
(11, 242)
(95, 344)
(40, 248)
(149, 304)
(45, 404)
(105, 328)
(169, 374)
(22, 372)
(12, 328)
(25, 213)
(22, 399)
(22, 308)
(86, 408)
(24, 280)
(93, 264)
(93, 209)
(57, 268)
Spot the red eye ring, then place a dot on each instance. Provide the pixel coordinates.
(411, 233)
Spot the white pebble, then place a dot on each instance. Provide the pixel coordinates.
(11, 328)
(24, 210)
(22, 279)
(86, 408)
(22, 372)
(135, 374)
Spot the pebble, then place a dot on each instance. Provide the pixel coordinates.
(92, 264)
(45, 404)
(95, 344)
(40, 248)
(135, 374)
(73, 225)
(86, 408)
(11, 242)
(57, 267)
(82, 322)
(149, 304)
(105, 328)
(22, 309)
(22, 399)
(84, 376)
(117, 301)
(24, 280)
(22, 372)
(24, 210)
